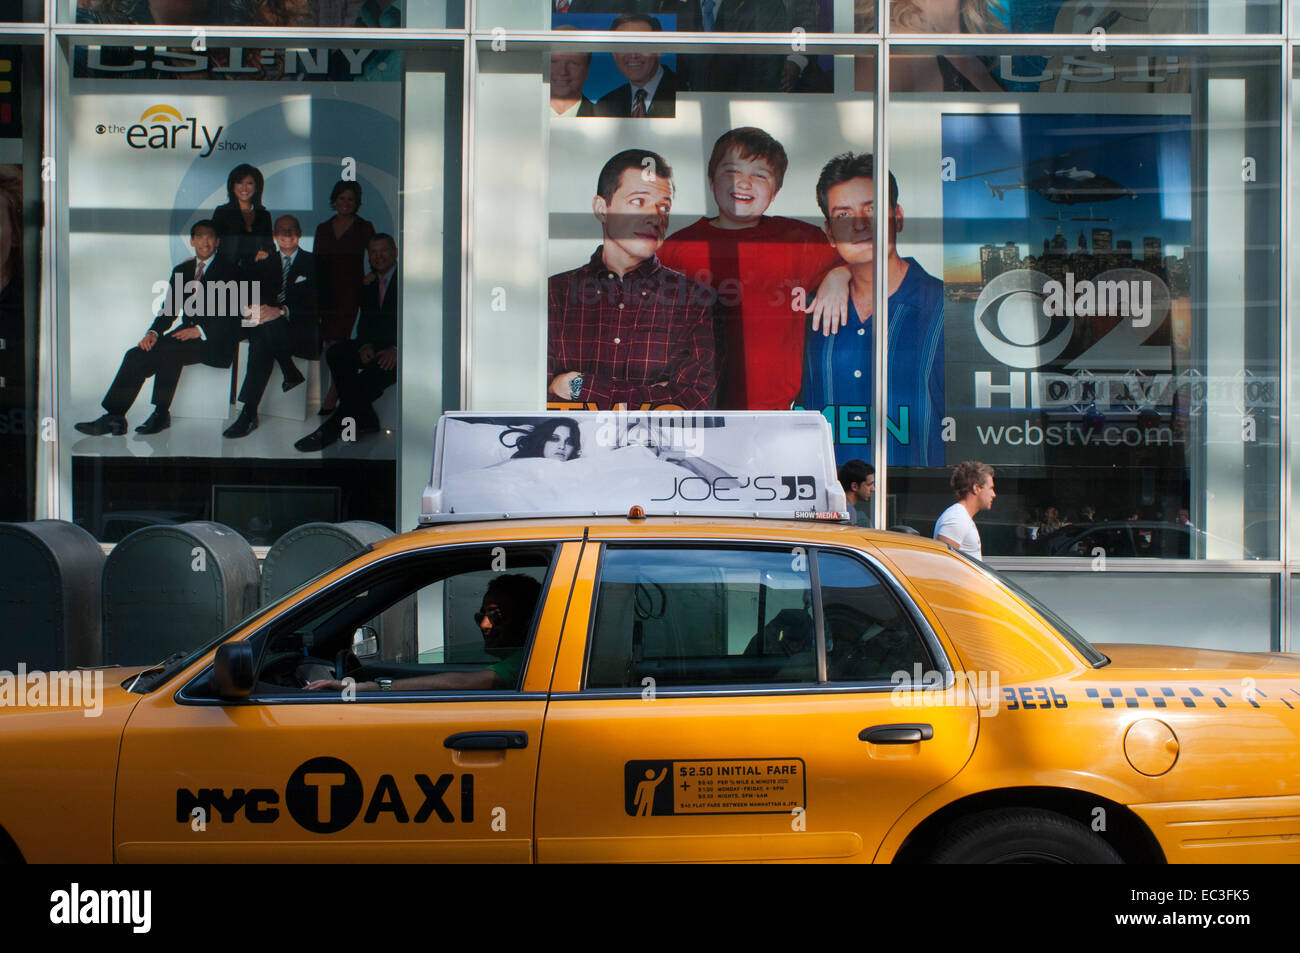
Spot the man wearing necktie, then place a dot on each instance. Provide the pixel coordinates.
(366, 365)
(285, 327)
(206, 335)
(651, 88)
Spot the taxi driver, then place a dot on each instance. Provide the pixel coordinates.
(503, 620)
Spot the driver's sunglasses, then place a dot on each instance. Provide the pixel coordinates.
(493, 615)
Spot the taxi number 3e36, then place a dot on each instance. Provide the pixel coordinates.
(1034, 697)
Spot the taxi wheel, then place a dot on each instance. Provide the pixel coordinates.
(1022, 836)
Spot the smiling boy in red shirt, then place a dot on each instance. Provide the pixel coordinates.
(754, 262)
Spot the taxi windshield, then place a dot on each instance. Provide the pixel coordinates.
(157, 674)
(1081, 645)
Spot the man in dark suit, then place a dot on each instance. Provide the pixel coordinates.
(366, 365)
(732, 72)
(286, 326)
(651, 89)
(203, 293)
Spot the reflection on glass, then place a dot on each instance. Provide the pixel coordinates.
(1107, 342)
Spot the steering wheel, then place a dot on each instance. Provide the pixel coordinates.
(345, 663)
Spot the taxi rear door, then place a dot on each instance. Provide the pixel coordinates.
(289, 775)
(740, 702)
(718, 701)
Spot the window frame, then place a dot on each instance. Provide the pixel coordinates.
(930, 642)
(332, 596)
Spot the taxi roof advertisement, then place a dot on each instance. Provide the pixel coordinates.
(778, 465)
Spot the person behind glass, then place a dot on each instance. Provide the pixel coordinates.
(568, 76)
(503, 619)
(651, 88)
(340, 249)
(202, 338)
(1051, 522)
(287, 324)
(972, 485)
(365, 366)
(243, 223)
(952, 73)
(556, 439)
(789, 73)
(622, 328)
(754, 261)
(859, 481)
(839, 370)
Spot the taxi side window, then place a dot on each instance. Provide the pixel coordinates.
(702, 617)
(869, 637)
(418, 616)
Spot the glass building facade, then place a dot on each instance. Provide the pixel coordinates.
(1087, 279)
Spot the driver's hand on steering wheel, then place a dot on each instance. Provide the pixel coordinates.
(338, 686)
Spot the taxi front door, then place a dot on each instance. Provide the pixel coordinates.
(444, 777)
(721, 773)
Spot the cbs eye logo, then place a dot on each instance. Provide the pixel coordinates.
(1010, 323)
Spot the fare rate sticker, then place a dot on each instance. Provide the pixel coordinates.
(714, 786)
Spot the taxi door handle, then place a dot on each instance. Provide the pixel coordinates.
(896, 734)
(486, 740)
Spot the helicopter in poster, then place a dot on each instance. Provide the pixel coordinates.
(1058, 183)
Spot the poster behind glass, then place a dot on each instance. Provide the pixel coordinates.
(233, 295)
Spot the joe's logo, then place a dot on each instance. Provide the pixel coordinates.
(163, 127)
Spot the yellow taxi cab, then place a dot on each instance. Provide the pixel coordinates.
(518, 682)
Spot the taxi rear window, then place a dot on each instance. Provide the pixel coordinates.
(1081, 645)
(681, 616)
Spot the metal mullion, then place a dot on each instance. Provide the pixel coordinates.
(1285, 365)
(1246, 567)
(47, 335)
(270, 37)
(467, 159)
(1189, 40)
(880, 289)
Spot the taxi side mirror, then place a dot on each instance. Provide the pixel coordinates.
(232, 670)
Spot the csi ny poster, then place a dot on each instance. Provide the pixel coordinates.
(1067, 328)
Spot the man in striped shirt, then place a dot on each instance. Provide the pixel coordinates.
(623, 330)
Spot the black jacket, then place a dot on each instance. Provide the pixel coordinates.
(377, 325)
(618, 102)
(300, 298)
(237, 246)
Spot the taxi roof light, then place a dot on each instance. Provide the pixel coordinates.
(770, 464)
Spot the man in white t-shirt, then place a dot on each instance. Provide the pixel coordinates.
(972, 484)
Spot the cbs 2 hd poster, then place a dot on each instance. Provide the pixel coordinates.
(1068, 311)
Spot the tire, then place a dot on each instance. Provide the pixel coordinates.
(1022, 836)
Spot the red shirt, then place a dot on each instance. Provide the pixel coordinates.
(643, 339)
(754, 272)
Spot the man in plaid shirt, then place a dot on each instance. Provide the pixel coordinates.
(623, 329)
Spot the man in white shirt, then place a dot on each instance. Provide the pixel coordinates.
(568, 75)
(972, 485)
